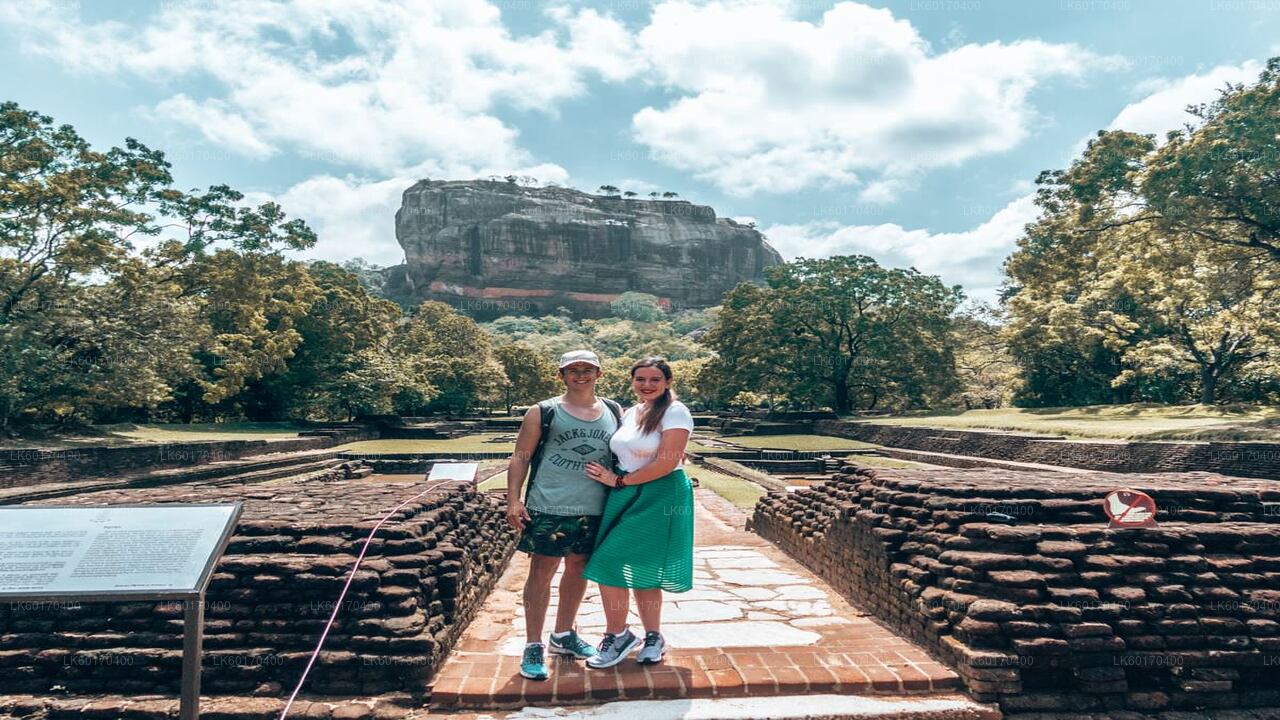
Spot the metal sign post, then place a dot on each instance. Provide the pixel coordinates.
(119, 553)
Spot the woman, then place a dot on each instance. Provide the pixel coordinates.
(645, 542)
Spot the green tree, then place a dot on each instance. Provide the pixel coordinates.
(446, 351)
(1216, 181)
(344, 327)
(69, 216)
(1152, 268)
(986, 370)
(530, 375)
(842, 329)
(641, 307)
(371, 381)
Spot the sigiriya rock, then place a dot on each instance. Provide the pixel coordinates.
(496, 248)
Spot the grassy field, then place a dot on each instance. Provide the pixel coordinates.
(1126, 422)
(798, 442)
(884, 462)
(480, 442)
(742, 493)
(133, 434)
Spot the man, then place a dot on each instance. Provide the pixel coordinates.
(560, 513)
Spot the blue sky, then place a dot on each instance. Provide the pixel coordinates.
(910, 131)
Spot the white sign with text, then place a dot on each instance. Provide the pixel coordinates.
(64, 551)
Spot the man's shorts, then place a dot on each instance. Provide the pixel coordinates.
(559, 535)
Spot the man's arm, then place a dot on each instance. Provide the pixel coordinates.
(518, 465)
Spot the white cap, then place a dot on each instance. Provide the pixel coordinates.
(576, 356)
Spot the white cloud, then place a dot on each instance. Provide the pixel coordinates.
(352, 217)
(1164, 108)
(971, 258)
(378, 85)
(222, 128)
(775, 104)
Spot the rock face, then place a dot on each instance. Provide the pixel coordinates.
(496, 248)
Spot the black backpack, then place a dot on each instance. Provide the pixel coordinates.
(547, 410)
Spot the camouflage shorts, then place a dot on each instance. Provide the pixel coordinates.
(559, 535)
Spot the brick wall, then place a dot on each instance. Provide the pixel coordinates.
(1242, 459)
(425, 576)
(1056, 612)
(35, 466)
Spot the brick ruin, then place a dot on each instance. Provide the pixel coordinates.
(27, 467)
(1241, 459)
(425, 575)
(1056, 612)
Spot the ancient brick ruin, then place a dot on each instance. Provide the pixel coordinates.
(273, 592)
(1241, 459)
(1056, 612)
(26, 467)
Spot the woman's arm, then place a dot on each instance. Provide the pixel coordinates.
(518, 465)
(670, 453)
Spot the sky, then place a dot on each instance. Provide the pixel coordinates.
(911, 131)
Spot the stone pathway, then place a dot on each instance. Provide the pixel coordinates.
(755, 624)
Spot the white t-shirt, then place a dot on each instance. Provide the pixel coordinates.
(635, 450)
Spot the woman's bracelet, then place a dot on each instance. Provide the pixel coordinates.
(619, 482)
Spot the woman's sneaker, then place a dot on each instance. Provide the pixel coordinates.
(533, 665)
(571, 644)
(613, 649)
(654, 648)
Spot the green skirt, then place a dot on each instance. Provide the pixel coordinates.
(646, 536)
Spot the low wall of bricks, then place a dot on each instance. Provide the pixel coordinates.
(35, 466)
(424, 577)
(1241, 459)
(1050, 610)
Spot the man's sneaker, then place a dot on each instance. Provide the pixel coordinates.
(613, 649)
(654, 648)
(571, 644)
(534, 665)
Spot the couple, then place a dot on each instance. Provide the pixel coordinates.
(627, 525)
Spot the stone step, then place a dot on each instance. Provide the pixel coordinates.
(783, 707)
(682, 677)
(400, 706)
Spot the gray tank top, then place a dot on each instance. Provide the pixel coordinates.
(561, 486)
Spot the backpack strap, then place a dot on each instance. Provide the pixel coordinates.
(546, 411)
(614, 408)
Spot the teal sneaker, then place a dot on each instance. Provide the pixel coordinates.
(571, 644)
(534, 665)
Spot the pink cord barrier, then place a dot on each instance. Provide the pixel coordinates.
(343, 594)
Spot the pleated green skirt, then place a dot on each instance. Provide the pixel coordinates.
(646, 536)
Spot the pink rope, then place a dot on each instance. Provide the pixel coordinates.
(346, 587)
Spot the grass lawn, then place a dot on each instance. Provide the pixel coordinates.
(470, 443)
(1126, 422)
(133, 434)
(876, 461)
(742, 493)
(498, 481)
(798, 442)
